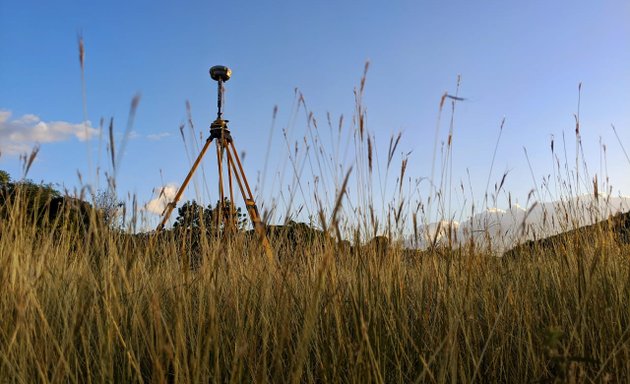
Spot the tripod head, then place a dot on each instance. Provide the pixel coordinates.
(220, 74)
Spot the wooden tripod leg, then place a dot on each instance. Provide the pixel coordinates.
(232, 219)
(219, 218)
(170, 206)
(250, 204)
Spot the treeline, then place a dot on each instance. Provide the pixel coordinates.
(28, 203)
(39, 206)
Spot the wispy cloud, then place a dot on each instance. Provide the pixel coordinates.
(20, 135)
(158, 136)
(165, 195)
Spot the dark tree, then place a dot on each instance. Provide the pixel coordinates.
(4, 177)
(213, 219)
(42, 205)
(33, 198)
(225, 213)
(190, 216)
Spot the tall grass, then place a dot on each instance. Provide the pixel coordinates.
(100, 305)
(109, 307)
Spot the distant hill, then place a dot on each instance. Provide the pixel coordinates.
(501, 230)
(613, 231)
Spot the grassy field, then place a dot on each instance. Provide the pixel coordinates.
(82, 302)
(103, 306)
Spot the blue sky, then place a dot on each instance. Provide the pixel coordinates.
(521, 61)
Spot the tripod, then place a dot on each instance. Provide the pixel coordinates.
(220, 134)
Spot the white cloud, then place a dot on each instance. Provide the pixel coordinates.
(158, 136)
(165, 195)
(20, 135)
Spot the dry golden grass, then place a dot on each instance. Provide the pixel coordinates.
(105, 306)
(110, 307)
